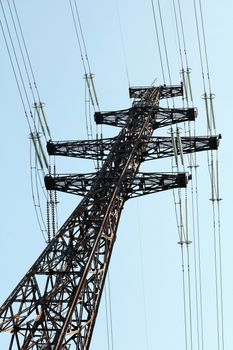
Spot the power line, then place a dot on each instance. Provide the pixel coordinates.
(164, 42)
(122, 42)
(26, 50)
(158, 41)
(40, 159)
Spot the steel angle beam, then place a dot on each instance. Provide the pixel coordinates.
(142, 184)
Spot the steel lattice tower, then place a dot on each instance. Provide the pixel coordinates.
(55, 305)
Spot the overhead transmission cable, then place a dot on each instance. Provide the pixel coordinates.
(178, 38)
(183, 231)
(164, 42)
(86, 56)
(184, 240)
(192, 161)
(21, 51)
(158, 41)
(86, 66)
(185, 69)
(44, 124)
(91, 98)
(83, 52)
(214, 173)
(19, 77)
(17, 62)
(122, 42)
(40, 160)
(43, 128)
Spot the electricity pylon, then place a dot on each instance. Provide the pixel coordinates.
(56, 303)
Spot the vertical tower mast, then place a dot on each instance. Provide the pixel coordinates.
(56, 303)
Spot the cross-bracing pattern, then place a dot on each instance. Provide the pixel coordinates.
(55, 305)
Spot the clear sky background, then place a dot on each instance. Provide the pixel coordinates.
(148, 317)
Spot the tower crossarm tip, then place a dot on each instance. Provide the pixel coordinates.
(88, 149)
(148, 183)
(163, 147)
(157, 147)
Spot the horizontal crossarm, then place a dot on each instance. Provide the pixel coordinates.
(143, 183)
(166, 91)
(157, 147)
(161, 116)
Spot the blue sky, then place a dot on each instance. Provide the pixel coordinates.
(53, 49)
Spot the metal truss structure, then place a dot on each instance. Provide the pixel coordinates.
(142, 184)
(157, 147)
(56, 303)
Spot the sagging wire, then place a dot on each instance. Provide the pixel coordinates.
(36, 175)
(51, 195)
(213, 167)
(37, 206)
(37, 123)
(42, 123)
